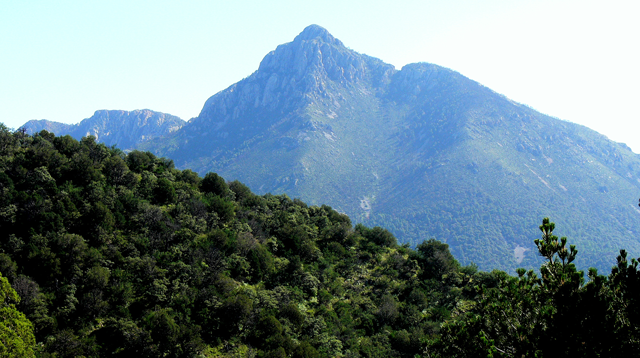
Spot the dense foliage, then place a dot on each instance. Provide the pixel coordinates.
(116, 254)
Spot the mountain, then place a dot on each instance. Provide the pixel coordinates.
(423, 151)
(37, 125)
(125, 129)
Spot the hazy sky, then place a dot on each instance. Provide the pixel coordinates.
(62, 60)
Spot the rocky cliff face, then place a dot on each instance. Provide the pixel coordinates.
(125, 129)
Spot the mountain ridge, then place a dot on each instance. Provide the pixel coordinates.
(125, 129)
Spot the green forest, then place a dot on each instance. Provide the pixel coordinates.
(112, 254)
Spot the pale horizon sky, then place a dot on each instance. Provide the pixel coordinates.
(62, 61)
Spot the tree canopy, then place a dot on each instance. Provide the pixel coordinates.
(113, 254)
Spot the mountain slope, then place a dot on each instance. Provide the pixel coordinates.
(493, 168)
(423, 151)
(114, 127)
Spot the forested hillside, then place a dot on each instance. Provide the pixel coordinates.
(115, 254)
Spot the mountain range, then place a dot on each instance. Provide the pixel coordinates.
(423, 151)
(125, 129)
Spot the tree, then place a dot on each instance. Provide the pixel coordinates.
(624, 286)
(435, 259)
(528, 316)
(378, 235)
(16, 331)
(559, 270)
(164, 192)
(214, 184)
(555, 315)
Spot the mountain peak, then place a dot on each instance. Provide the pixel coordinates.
(310, 58)
(316, 32)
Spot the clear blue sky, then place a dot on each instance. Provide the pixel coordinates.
(62, 60)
